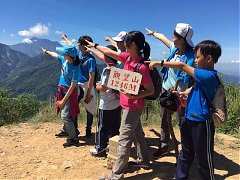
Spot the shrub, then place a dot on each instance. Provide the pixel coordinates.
(16, 109)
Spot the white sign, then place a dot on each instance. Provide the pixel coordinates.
(128, 81)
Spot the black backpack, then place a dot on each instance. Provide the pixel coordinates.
(157, 82)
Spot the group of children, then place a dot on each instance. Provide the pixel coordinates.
(192, 68)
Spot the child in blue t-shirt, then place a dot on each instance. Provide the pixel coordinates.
(197, 129)
(66, 96)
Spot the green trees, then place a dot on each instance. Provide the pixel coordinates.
(232, 125)
(16, 109)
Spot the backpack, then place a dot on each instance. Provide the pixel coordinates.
(218, 106)
(156, 79)
(170, 100)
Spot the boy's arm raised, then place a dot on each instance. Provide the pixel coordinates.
(179, 65)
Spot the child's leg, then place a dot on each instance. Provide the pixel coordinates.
(75, 121)
(116, 121)
(186, 156)
(165, 134)
(203, 136)
(102, 130)
(89, 124)
(68, 122)
(141, 145)
(129, 123)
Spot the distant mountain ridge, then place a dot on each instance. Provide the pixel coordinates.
(34, 48)
(10, 60)
(22, 73)
(37, 75)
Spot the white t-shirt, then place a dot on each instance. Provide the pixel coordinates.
(109, 100)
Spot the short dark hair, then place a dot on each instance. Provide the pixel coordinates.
(209, 47)
(82, 39)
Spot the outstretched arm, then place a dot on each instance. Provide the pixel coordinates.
(50, 53)
(104, 50)
(97, 53)
(160, 37)
(179, 65)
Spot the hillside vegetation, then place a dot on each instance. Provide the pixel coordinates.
(27, 107)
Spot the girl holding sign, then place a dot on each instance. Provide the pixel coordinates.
(137, 50)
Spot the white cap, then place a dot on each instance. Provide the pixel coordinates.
(120, 36)
(186, 31)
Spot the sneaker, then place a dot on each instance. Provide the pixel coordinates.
(96, 153)
(161, 151)
(71, 142)
(61, 134)
(104, 178)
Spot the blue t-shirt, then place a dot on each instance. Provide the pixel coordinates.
(87, 65)
(69, 72)
(197, 106)
(170, 75)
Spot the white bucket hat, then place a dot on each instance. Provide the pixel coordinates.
(120, 36)
(185, 31)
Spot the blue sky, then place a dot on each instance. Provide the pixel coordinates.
(210, 19)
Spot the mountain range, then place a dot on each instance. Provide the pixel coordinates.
(24, 69)
(33, 47)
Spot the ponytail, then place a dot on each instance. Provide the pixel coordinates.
(146, 51)
(138, 38)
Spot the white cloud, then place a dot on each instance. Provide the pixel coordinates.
(27, 41)
(4, 30)
(12, 35)
(35, 31)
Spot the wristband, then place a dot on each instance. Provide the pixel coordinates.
(95, 45)
(162, 63)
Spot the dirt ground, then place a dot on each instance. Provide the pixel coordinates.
(30, 151)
